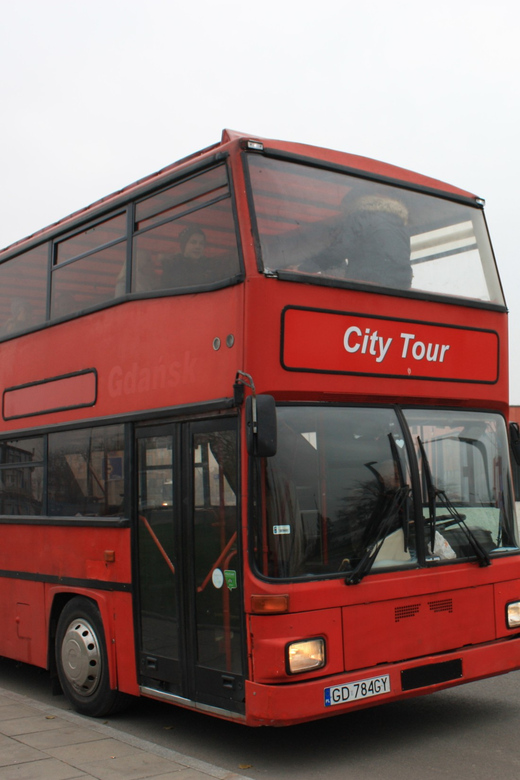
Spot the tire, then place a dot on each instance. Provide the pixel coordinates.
(82, 661)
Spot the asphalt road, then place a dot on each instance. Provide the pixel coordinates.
(470, 732)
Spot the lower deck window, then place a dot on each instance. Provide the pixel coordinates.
(77, 473)
(86, 472)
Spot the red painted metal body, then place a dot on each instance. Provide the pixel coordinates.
(159, 353)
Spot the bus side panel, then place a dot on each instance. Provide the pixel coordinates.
(115, 609)
(23, 634)
(124, 643)
(68, 552)
(59, 563)
(146, 354)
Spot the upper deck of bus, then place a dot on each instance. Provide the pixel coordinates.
(92, 328)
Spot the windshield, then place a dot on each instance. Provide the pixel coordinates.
(464, 468)
(331, 225)
(337, 497)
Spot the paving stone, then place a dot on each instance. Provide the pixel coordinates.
(38, 722)
(86, 752)
(5, 700)
(44, 743)
(12, 711)
(47, 769)
(16, 753)
(65, 735)
(135, 767)
(195, 774)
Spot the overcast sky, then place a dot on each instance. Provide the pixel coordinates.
(97, 94)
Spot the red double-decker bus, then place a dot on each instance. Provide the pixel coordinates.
(254, 449)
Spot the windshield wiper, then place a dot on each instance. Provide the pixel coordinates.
(399, 496)
(402, 483)
(434, 494)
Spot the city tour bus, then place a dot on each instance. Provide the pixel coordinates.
(254, 445)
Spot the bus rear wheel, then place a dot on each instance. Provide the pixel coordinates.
(82, 662)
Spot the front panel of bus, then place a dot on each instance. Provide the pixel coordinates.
(383, 530)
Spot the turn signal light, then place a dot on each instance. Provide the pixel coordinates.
(270, 605)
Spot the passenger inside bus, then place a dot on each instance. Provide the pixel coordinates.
(192, 266)
(370, 243)
(20, 317)
(189, 266)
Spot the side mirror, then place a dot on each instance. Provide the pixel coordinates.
(261, 425)
(514, 438)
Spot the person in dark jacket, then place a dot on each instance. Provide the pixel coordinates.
(192, 266)
(371, 243)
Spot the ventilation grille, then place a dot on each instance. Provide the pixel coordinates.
(442, 605)
(409, 611)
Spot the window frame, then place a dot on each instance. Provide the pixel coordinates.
(99, 213)
(45, 517)
(324, 281)
(423, 560)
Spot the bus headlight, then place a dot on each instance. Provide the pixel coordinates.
(305, 656)
(513, 614)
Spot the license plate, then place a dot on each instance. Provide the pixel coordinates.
(360, 689)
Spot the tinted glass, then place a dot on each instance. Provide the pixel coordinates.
(329, 224)
(216, 566)
(21, 477)
(333, 489)
(195, 250)
(85, 472)
(23, 291)
(465, 482)
(182, 196)
(157, 549)
(91, 238)
(339, 490)
(87, 282)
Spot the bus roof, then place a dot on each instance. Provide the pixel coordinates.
(232, 139)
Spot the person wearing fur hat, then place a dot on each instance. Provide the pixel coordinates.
(371, 243)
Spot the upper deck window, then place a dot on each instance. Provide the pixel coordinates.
(181, 238)
(86, 266)
(328, 224)
(189, 194)
(23, 291)
(185, 236)
(91, 238)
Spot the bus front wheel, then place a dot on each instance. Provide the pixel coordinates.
(82, 662)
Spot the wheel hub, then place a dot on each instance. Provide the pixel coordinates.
(81, 657)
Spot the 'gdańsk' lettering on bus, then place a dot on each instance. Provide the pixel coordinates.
(143, 379)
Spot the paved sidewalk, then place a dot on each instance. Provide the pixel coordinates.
(38, 742)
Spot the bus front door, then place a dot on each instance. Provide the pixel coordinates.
(189, 586)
